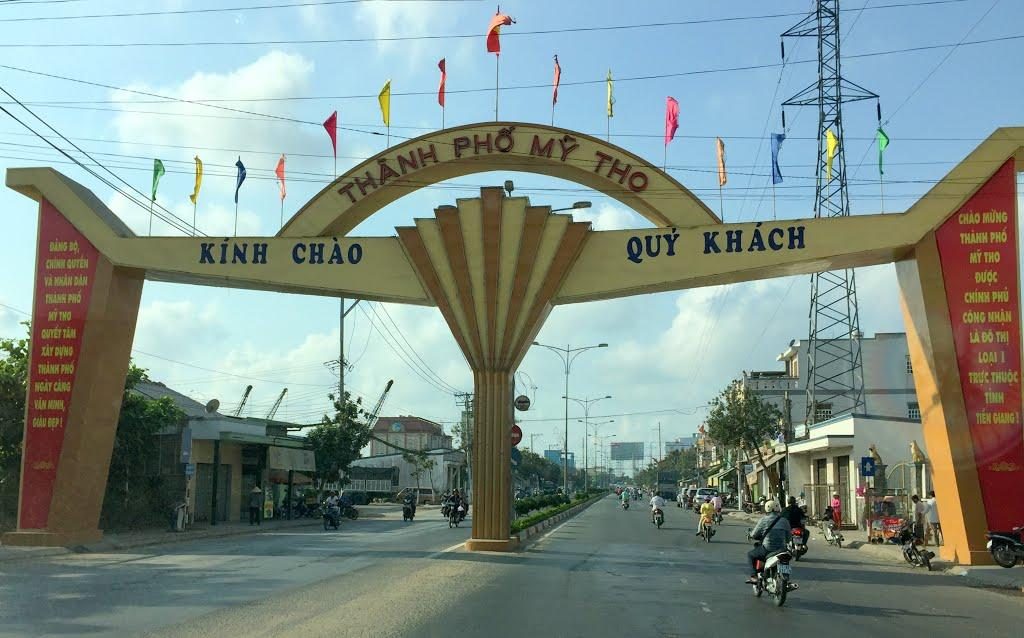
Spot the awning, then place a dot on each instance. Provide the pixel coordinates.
(281, 476)
(718, 476)
(821, 443)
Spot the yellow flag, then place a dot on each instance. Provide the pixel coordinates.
(611, 96)
(831, 143)
(385, 103)
(199, 180)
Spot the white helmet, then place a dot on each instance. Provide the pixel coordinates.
(771, 507)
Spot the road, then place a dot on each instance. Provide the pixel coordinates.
(604, 573)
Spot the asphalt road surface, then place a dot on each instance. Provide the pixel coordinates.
(605, 573)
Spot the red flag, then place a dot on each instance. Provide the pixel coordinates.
(499, 20)
(331, 125)
(671, 119)
(440, 87)
(558, 78)
(279, 171)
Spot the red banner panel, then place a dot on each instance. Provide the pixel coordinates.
(65, 269)
(978, 251)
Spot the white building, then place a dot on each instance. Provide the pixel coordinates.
(680, 444)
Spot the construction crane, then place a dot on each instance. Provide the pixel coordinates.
(277, 404)
(241, 405)
(371, 417)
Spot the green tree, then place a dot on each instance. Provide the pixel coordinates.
(13, 372)
(742, 420)
(534, 466)
(339, 439)
(421, 463)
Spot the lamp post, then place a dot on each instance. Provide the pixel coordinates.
(586, 403)
(575, 206)
(600, 443)
(567, 355)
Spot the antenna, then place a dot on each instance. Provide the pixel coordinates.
(212, 406)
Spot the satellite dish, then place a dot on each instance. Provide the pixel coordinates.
(212, 405)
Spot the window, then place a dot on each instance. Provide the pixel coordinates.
(914, 411)
(910, 368)
(822, 412)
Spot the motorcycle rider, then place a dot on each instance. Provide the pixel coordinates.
(716, 500)
(707, 514)
(625, 497)
(657, 503)
(773, 531)
(796, 515)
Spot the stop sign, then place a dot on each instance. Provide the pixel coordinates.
(517, 434)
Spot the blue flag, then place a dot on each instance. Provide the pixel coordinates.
(777, 139)
(241, 177)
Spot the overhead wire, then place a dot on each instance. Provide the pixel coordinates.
(414, 362)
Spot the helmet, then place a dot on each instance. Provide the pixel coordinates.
(770, 507)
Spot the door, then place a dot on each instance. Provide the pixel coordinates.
(204, 491)
(821, 495)
(843, 479)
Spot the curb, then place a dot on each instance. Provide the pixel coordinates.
(532, 532)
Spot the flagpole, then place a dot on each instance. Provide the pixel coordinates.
(236, 218)
(151, 218)
(195, 205)
(442, 118)
(881, 193)
(664, 162)
(282, 212)
(552, 113)
(388, 145)
(497, 59)
(607, 128)
(721, 202)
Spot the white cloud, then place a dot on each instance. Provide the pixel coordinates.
(611, 217)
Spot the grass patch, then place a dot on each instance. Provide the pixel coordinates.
(527, 521)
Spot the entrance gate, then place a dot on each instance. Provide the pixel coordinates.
(495, 266)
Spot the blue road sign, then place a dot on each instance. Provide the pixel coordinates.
(517, 456)
(867, 466)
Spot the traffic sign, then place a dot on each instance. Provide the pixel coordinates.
(517, 456)
(867, 466)
(190, 470)
(517, 435)
(522, 403)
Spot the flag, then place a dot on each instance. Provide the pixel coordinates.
(883, 143)
(720, 147)
(158, 172)
(440, 87)
(671, 119)
(558, 79)
(385, 103)
(199, 181)
(279, 171)
(240, 178)
(777, 140)
(830, 151)
(331, 126)
(611, 96)
(494, 30)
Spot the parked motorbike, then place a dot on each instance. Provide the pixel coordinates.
(773, 576)
(332, 517)
(659, 518)
(913, 552)
(1007, 547)
(797, 543)
(828, 530)
(706, 531)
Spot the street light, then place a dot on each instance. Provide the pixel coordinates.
(567, 355)
(586, 402)
(575, 206)
(600, 440)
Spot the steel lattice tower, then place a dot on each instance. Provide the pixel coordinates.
(835, 376)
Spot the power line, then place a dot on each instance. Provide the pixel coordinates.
(423, 370)
(518, 33)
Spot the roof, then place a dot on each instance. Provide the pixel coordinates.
(407, 424)
(155, 390)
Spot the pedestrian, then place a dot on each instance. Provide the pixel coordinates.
(837, 510)
(255, 505)
(933, 519)
(920, 517)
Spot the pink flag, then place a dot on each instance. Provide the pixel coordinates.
(671, 119)
(279, 171)
(493, 31)
(558, 79)
(440, 87)
(331, 125)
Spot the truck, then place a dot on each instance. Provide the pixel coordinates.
(668, 484)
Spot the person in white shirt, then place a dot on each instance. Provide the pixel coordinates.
(933, 520)
(657, 503)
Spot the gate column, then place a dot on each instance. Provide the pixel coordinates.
(492, 266)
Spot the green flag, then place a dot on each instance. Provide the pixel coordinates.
(883, 143)
(158, 172)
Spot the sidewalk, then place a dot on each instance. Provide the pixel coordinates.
(128, 540)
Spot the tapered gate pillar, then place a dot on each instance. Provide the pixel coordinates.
(492, 266)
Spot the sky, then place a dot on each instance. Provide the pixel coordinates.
(668, 354)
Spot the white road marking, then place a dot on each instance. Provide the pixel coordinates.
(447, 550)
(704, 607)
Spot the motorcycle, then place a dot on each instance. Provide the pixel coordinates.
(797, 543)
(446, 507)
(773, 576)
(913, 553)
(408, 510)
(718, 517)
(455, 516)
(332, 517)
(830, 533)
(625, 505)
(1006, 547)
(706, 531)
(349, 512)
(659, 518)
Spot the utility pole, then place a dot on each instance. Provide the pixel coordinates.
(835, 370)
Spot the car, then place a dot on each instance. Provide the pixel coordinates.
(700, 494)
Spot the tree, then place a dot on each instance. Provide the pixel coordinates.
(420, 463)
(13, 372)
(534, 467)
(338, 440)
(742, 420)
